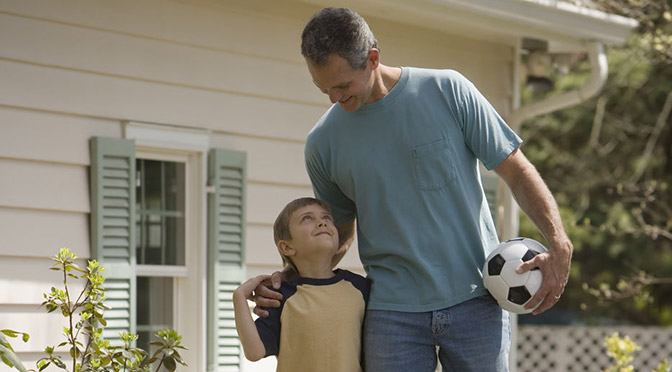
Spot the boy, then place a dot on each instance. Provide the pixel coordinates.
(318, 325)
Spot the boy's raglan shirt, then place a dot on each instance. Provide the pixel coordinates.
(318, 324)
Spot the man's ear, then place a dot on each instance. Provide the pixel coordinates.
(285, 248)
(374, 58)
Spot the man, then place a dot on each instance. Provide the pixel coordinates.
(398, 153)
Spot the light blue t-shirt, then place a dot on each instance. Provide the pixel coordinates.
(406, 167)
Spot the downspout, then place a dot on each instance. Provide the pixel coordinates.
(598, 76)
(510, 223)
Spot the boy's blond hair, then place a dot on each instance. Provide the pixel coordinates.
(281, 224)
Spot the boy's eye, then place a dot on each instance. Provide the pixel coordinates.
(327, 217)
(306, 218)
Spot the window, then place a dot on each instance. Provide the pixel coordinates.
(160, 243)
(168, 225)
(160, 213)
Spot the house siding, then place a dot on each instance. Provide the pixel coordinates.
(76, 69)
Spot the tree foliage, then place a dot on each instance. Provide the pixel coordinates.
(608, 162)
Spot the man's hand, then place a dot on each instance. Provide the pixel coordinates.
(246, 290)
(554, 266)
(264, 296)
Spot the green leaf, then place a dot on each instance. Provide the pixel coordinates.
(10, 333)
(59, 363)
(6, 361)
(169, 363)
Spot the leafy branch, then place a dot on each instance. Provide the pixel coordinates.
(85, 320)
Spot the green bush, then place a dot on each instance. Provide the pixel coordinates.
(620, 349)
(89, 351)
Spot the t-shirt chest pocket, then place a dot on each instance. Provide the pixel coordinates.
(434, 164)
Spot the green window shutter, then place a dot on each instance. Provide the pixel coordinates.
(113, 229)
(491, 188)
(226, 255)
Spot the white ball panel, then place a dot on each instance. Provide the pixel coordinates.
(534, 281)
(510, 276)
(497, 287)
(513, 251)
(518, 309)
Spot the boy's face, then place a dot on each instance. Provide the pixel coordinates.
(313, 231)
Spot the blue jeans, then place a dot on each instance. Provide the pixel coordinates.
(471, 336)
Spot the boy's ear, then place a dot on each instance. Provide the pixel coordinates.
(285, 248)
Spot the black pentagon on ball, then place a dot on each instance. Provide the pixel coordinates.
(495, 265)
(530, 255)
(519, 295)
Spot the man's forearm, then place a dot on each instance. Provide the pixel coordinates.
(534, 198)
(537, 202)
(346, 236)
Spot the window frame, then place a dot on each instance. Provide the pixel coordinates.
(190, 146)
(148, 153)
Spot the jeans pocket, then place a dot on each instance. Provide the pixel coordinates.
(434, 164)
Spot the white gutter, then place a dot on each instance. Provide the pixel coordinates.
(598, 76)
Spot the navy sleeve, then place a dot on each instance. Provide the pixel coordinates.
(360, 283)
(269, 330)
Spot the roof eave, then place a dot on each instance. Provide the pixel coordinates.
(554, 16)
(503, 19)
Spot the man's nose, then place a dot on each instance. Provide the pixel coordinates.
(334, 96)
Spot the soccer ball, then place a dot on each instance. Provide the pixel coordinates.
(512, 290)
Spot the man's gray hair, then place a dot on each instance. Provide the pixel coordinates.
(337, 31)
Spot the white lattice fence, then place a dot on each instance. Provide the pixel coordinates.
(581, 349)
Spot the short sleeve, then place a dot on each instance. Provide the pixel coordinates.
(485, 132)
(359, 282)
(269, 330)
(342, 208)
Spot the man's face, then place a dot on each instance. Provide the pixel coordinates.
(349, 87)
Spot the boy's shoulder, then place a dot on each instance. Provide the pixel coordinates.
(358, 281)
(350, 276)
(340, 274)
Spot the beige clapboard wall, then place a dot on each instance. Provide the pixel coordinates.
(74, 69)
